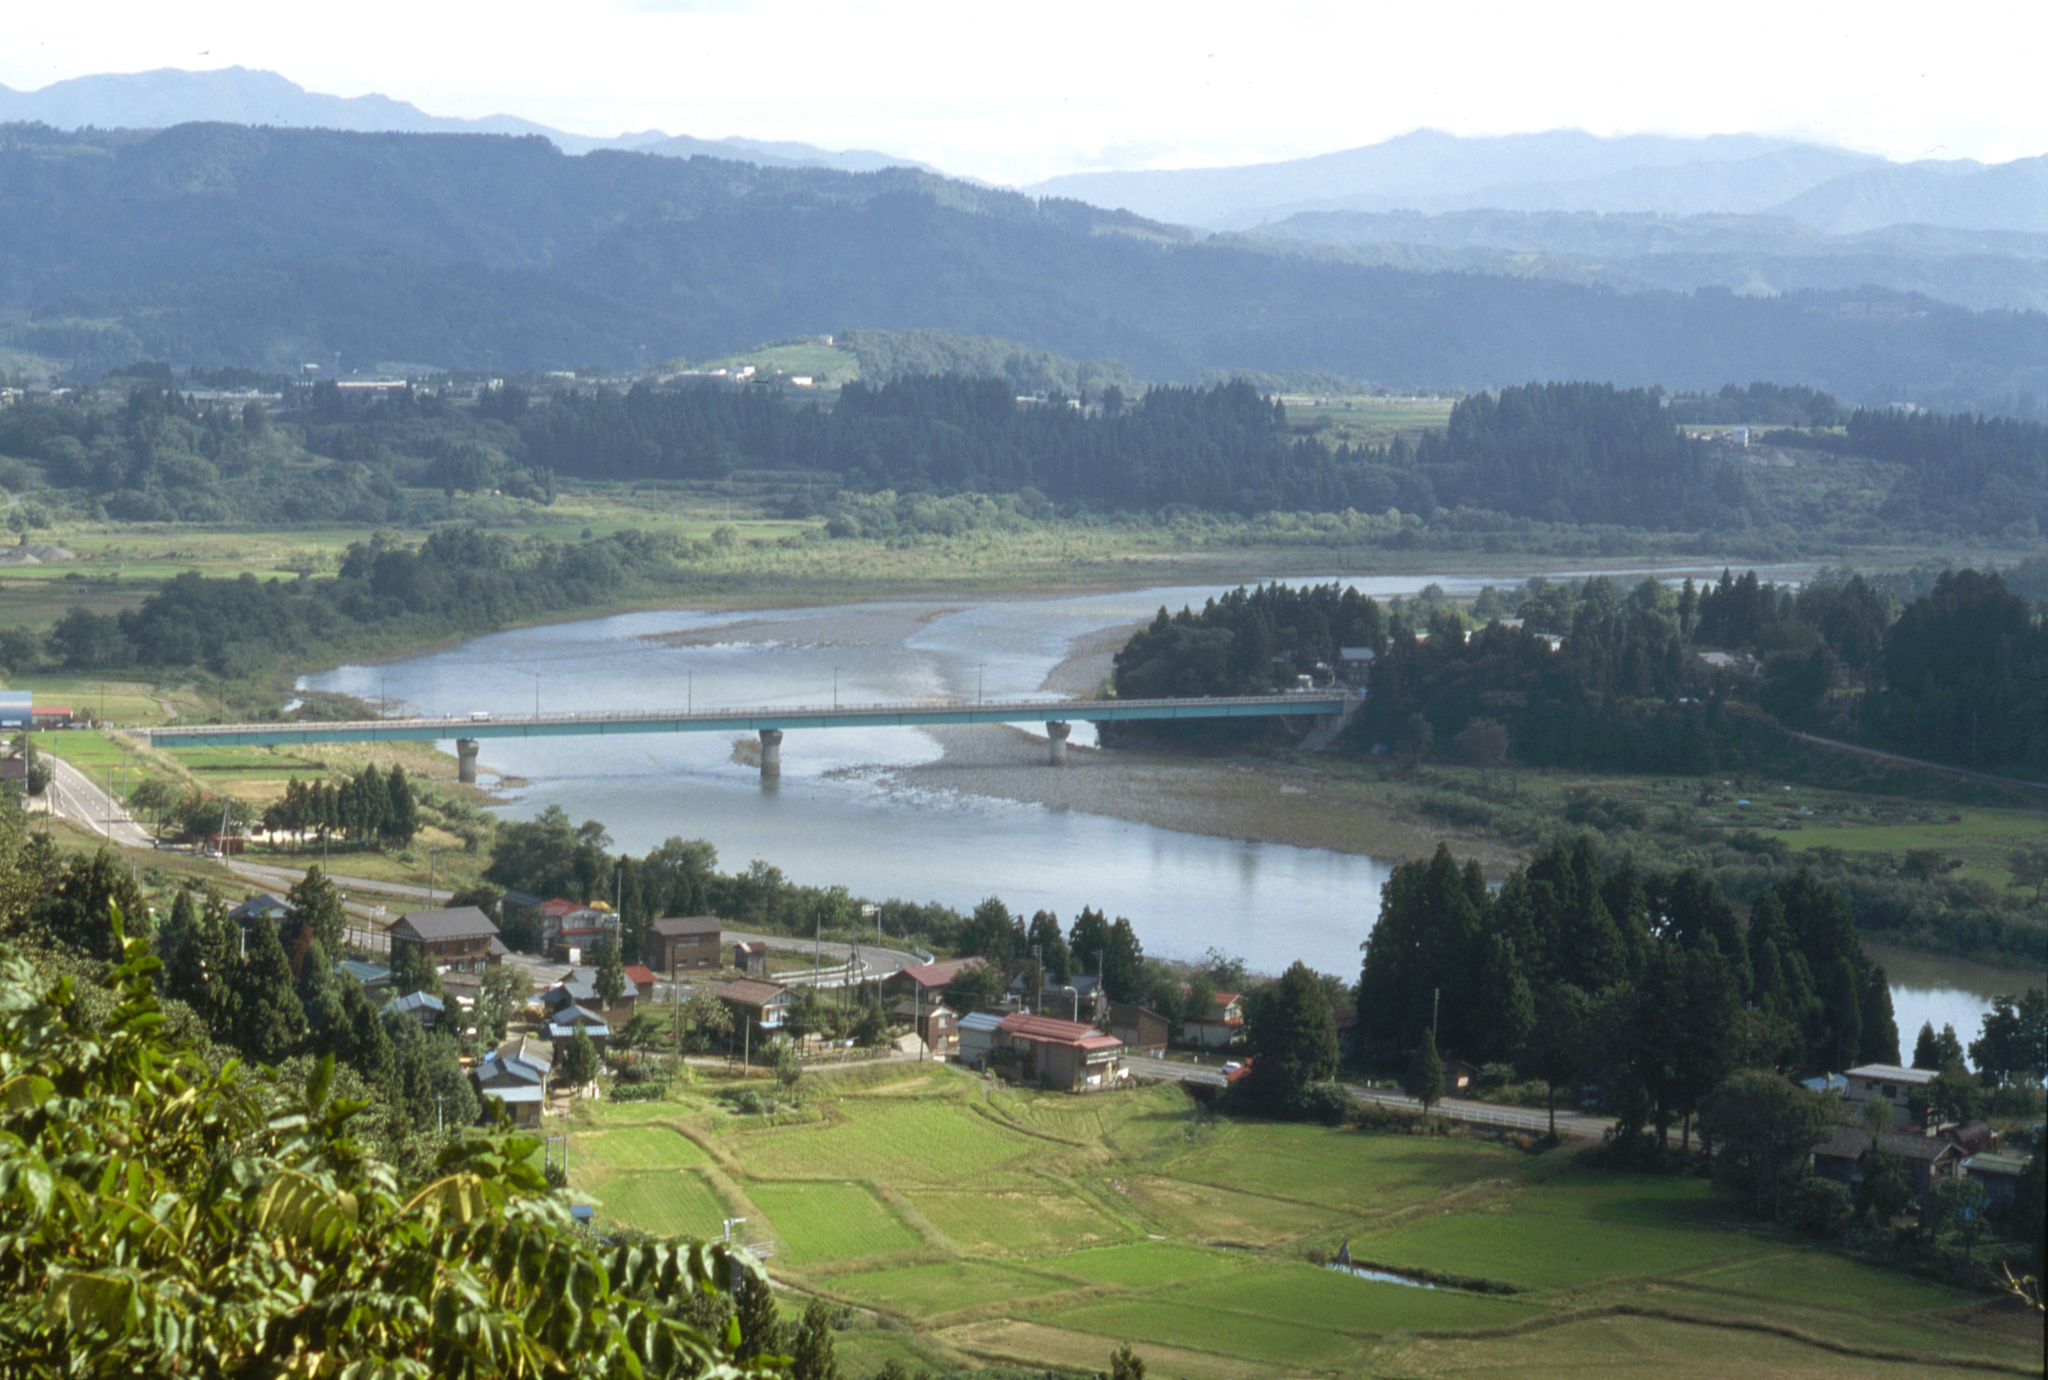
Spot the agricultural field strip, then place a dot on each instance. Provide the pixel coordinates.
(1632, 1218)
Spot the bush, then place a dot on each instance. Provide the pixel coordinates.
(1327, 1103)
(1819, 1208)
(639, 1092)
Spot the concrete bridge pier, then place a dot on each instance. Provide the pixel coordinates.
(771, 753)
(1056, 742)
(465, 761)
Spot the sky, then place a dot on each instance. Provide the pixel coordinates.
(1013, 94)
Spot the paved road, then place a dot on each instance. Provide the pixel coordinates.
(1857, 749)
(1492, 1114)
(1151, 1070)
(73, 796)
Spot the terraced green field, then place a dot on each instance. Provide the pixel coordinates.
(814, 1222)
(967, 1226)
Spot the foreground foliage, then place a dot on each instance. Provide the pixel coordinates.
(160, 1218)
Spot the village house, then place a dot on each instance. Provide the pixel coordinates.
(976, 1036)
(1143, 1030)
(1999, 1174)
(563, 1024)
(684, 942)
(261, 906)
(516, 1074)
(933, 1022)
(578, 933)
(424, 1007)
(579, 988)
(1222, 1024)
(1929, 1160)
(1080, 1000)
(759, 1009)
(750, 959)
(1059, 1054)
(1887, 1083)
(462, 938)
(927, 982)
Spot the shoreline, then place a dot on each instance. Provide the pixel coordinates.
(1251, 799)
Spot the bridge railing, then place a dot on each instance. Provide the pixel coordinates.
(455, 724)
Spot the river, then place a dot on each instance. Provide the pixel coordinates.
(834, 818)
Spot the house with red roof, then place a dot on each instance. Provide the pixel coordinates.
(1060, 1054)
(1222, 1024)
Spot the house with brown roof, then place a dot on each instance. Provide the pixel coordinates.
(1929, 1160)
(758, 1007)
(1060, 1054)
(462, 938)
(926, 981)
(933, 1022)
(684, 942)
(1142, 1029)
(750, 958)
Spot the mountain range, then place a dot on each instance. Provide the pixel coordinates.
(216, 244)
(238, 96)
(1832, 190)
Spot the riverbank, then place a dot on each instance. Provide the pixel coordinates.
(1253, 799)
(1235, 797)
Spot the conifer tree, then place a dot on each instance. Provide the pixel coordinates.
(270, 1025)
(810, 1349)
(177, 944)
(316, 903)
(401, 819)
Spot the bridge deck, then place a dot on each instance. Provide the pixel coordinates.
(1317, 702)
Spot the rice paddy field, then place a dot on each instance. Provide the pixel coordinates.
(961, 1224)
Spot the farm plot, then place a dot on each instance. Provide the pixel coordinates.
(639, 1147)
(1312, 1297)
(939, 1141)
(1172, 1321)
(1146, 1264)
(1354, 1173)
(1025, 1221)
(1666, 1349)
(660, 1202)
(830, 1221)
(1539, 1250)
(924, 1291)
(1826, 1281)
(1203, 1212)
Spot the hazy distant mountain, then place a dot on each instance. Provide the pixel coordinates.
(1563, 170)
(1827, 189)
(1960, 194)
(210, 244)
(239, 96)
(1756, 255)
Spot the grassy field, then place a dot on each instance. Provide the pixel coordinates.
(965, 1225)
(1366, 421)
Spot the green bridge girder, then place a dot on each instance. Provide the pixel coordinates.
(1313, 703)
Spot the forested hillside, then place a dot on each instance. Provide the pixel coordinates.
(1589, 456)
(1596, 676)
(216, 244)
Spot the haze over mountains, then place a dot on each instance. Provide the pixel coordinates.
(1828, 189)
(236, 243)
(237, 96)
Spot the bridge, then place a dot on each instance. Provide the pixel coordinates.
(1330, 707)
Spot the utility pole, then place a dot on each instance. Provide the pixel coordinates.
(1436, 998)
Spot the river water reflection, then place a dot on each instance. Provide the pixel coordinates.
(830, 822)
